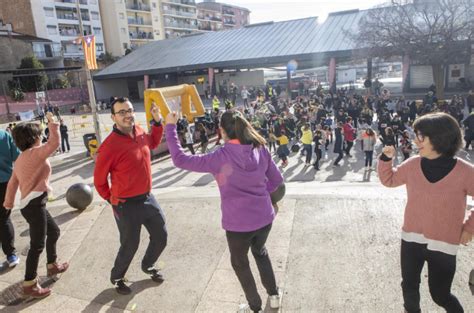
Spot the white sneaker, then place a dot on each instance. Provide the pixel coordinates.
(275, 300)
(244, 308)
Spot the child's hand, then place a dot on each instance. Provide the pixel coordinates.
(466, 237)
(389, 151)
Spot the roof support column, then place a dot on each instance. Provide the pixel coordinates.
(288, 85)
(211, 80)
(405, 73)
(332, 74)
(146, 81)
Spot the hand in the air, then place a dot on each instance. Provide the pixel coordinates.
(389, 151)
(172, 118)
(155, 113)
(50, 117)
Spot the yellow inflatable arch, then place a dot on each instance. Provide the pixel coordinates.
(189, 97)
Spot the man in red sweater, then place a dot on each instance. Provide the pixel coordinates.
(125, 155)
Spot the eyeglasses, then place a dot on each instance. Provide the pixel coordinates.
(124, 112)
(419, 136)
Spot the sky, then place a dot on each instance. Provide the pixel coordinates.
(278, 10)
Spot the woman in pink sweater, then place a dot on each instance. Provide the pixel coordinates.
(31, 174)
(434, 225)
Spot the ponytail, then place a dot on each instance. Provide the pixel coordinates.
(237, 127)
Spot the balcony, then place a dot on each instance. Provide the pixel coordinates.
(69, 32)
(210, 18)
(139, 21)
(71, 1)
(180, 25)
(141, 35)
(139, 7)
(47, 50)
(191, 3)
(179, 13)
(229, 22)
(228, 12)
(71, 16)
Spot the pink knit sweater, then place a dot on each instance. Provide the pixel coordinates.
(32, 169)
(435, 212)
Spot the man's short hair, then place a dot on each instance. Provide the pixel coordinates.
(26, 134)
(443, 131)
(117, 100)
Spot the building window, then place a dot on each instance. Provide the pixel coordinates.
(122, 16)
(97, 30)
(99, 47)
(52, 30)
(125, 46)
(124, 31)
(154, 5)
(95, 15)
(49, 12)
(92, 1)
(156, 19)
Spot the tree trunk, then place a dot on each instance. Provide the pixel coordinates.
(438, 77)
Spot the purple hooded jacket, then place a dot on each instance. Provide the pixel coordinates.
(246, 176)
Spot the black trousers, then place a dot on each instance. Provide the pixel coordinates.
(130, 215)
(7, 232)
(349, 145)
(191, 148)
(441, 269)
(239, 244)
(65, 143)
(339, 158)
(319, 154)
(42, 226)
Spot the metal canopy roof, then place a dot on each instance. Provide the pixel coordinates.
(257, 45)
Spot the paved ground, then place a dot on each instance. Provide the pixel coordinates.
(334, 245)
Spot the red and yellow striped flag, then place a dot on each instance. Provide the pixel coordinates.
(88, 45)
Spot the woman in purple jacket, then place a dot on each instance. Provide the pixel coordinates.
(246, 175)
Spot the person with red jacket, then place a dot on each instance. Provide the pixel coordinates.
(349, 135)
(125, 156)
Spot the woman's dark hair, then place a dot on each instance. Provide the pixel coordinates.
(26, 134)
(370, 131)
(237, 127)
(389, 131)
(443, 131)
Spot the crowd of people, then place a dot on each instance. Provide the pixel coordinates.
(320, 122)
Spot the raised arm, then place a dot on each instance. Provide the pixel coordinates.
(207, 163)
(388, 175)
(52, 144)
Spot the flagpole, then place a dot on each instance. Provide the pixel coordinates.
(90, 86)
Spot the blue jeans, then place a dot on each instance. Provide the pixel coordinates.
(368, 157)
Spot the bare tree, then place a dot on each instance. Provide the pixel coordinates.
(432, 32)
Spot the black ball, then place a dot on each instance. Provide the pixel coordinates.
(278, 194)
(79, 196)
(295, 148)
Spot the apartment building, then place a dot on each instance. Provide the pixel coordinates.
(56, 20)
(128, 24)
(214, 16)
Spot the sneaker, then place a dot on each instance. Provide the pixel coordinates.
(57, 268)
(13, 260)
(155, 274)
(121, 287)
(245, 308)
(275, 300)
(35, 291)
